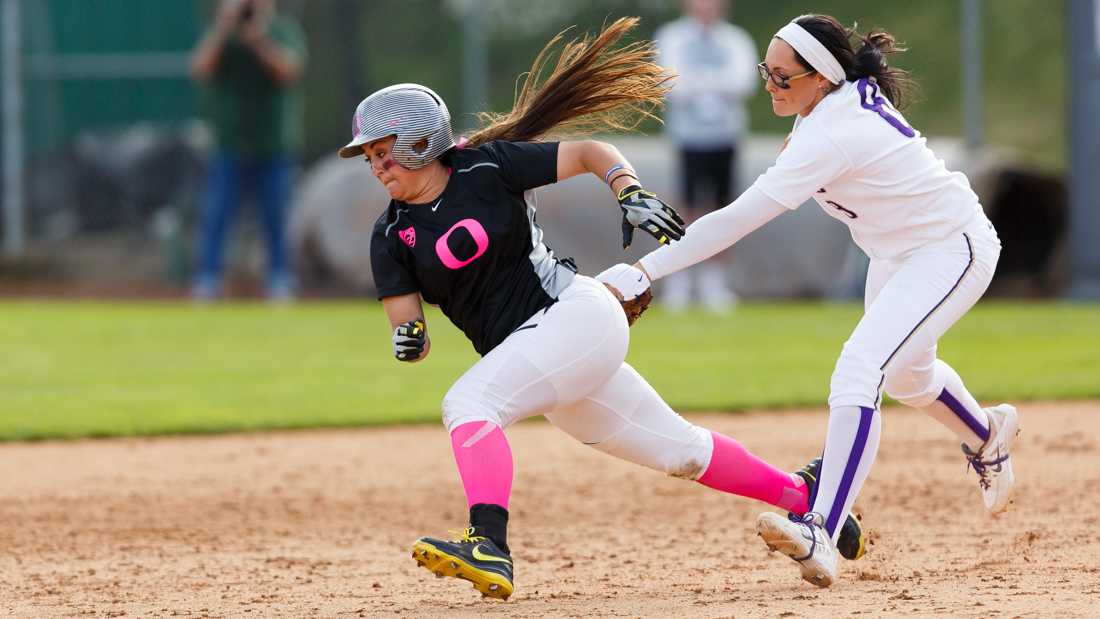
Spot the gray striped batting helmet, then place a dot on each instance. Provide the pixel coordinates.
(413, 113)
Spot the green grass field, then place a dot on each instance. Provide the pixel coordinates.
(99, 369)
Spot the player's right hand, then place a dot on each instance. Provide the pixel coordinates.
(643, 209)
(409, 340)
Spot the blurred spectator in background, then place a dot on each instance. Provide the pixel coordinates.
(706, 117)
(249, 61)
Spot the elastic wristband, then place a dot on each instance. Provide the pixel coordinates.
(618, 176)
(617, 166)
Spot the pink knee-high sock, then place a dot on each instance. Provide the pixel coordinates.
(735, 470)
(484, 462)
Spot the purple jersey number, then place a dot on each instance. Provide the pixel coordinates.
(870, 99)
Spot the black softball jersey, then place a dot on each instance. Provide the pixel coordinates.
(476, 251)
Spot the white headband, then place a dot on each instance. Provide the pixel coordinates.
(813, 51)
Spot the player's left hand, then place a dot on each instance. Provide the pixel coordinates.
(643, 209)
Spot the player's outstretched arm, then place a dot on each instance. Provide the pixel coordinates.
(713, 233)
(410, 332)
(640, 208)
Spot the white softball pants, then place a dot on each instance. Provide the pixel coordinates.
(910, 303)
(567, 362)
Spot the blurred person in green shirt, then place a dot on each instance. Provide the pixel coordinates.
(249, 63)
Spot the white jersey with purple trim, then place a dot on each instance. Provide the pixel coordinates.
(866, 166)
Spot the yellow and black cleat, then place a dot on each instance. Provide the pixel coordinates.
(471, 557)
(852, 543)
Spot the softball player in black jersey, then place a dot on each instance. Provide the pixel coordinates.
(460, 232)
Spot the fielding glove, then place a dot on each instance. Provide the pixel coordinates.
(643, 209)
(631, 287)
(408, 340)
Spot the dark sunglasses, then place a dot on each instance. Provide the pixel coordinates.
(780, 81)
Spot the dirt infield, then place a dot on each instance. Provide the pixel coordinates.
(319, 524)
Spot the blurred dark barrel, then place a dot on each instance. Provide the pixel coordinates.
(1030, 211)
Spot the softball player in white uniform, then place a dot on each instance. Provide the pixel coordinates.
(460, 232)
(932, 251)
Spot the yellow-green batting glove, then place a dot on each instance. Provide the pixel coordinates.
(644, 210)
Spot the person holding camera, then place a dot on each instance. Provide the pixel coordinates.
(249, 64)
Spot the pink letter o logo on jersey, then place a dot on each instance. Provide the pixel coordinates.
(481, 239)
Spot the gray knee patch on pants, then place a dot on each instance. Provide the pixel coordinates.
(691, 460)
(656, 438)
(689, 468)
(683, 456)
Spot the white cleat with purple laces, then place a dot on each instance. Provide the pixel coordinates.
(803, 539)
(992, 462)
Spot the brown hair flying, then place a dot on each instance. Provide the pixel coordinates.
(592, 88)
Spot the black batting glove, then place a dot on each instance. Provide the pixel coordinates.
(643, 209)
(409, 340)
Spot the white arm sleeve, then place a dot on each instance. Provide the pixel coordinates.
(714, 232)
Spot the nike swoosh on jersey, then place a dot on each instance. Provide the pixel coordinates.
(480, 556)
(436, 205)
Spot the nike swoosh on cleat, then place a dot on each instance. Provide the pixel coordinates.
(480, 556)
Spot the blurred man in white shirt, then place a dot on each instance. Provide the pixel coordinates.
(706, 118)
